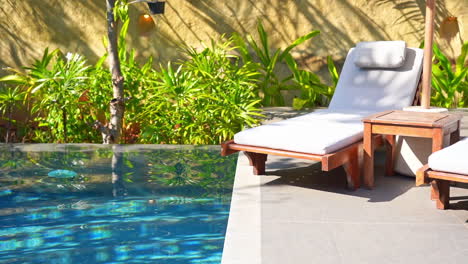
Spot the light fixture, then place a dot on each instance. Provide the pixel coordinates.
(449, 28)
(156, 7)
(145, 24)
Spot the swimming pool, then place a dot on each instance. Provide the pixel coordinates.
(121, 204)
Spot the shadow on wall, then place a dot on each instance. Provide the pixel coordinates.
(31, 22)
(34, 25)
(285, 21)
(413, 13)
(28, 27)
(448, 35)
(162, 45)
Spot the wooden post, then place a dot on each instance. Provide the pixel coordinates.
(427, 63)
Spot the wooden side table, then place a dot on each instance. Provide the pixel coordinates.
(405, 123)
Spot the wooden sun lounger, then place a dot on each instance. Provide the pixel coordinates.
(349, 156)
(440, 184)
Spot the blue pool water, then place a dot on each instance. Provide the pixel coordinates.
(155, 205)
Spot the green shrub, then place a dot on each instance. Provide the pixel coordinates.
(205, 100)
(208, 99)
(11, 99)
(265, 60)
(450, 82)
(313, 91)
(56, 84)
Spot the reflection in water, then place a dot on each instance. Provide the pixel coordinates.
(117, 172)
(164, 205)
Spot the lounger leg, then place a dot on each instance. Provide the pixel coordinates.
(440, 190)
(352, 170)
(434, 190)
(257, 160)
(421, 176)
(390, 159)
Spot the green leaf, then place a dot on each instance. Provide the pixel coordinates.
(13, 78)
(332, 70)
(461, 60)
(459, 78)
(298, 42)
(299, 103)
(263, 39)
(101, 61)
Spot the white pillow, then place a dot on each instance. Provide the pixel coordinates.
(380, 54)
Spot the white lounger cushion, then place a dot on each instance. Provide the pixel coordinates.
(378, 89)
(320, 132)
(452, 159)
(380, 54)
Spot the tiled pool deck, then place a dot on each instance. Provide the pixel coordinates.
(299, 214)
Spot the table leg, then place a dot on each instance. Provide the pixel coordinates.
(437, 139)
(390, 159)
(455, 136)
(368, 156)
(437, 144)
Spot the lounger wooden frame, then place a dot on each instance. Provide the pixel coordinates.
(350, 157)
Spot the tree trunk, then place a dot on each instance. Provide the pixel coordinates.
(117, 104)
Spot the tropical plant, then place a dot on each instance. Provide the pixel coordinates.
(266, 62)
(313, 91)
(60, 99)
(10, 99)
(450, 81)
(205, 100)
(56, 84)
(32, 77)
(99, 92)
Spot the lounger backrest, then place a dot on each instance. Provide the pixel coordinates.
(377, 89)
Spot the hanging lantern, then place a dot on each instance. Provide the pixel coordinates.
(449, 28)
(145, 24)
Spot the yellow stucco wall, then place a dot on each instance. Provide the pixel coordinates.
(29, 26)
